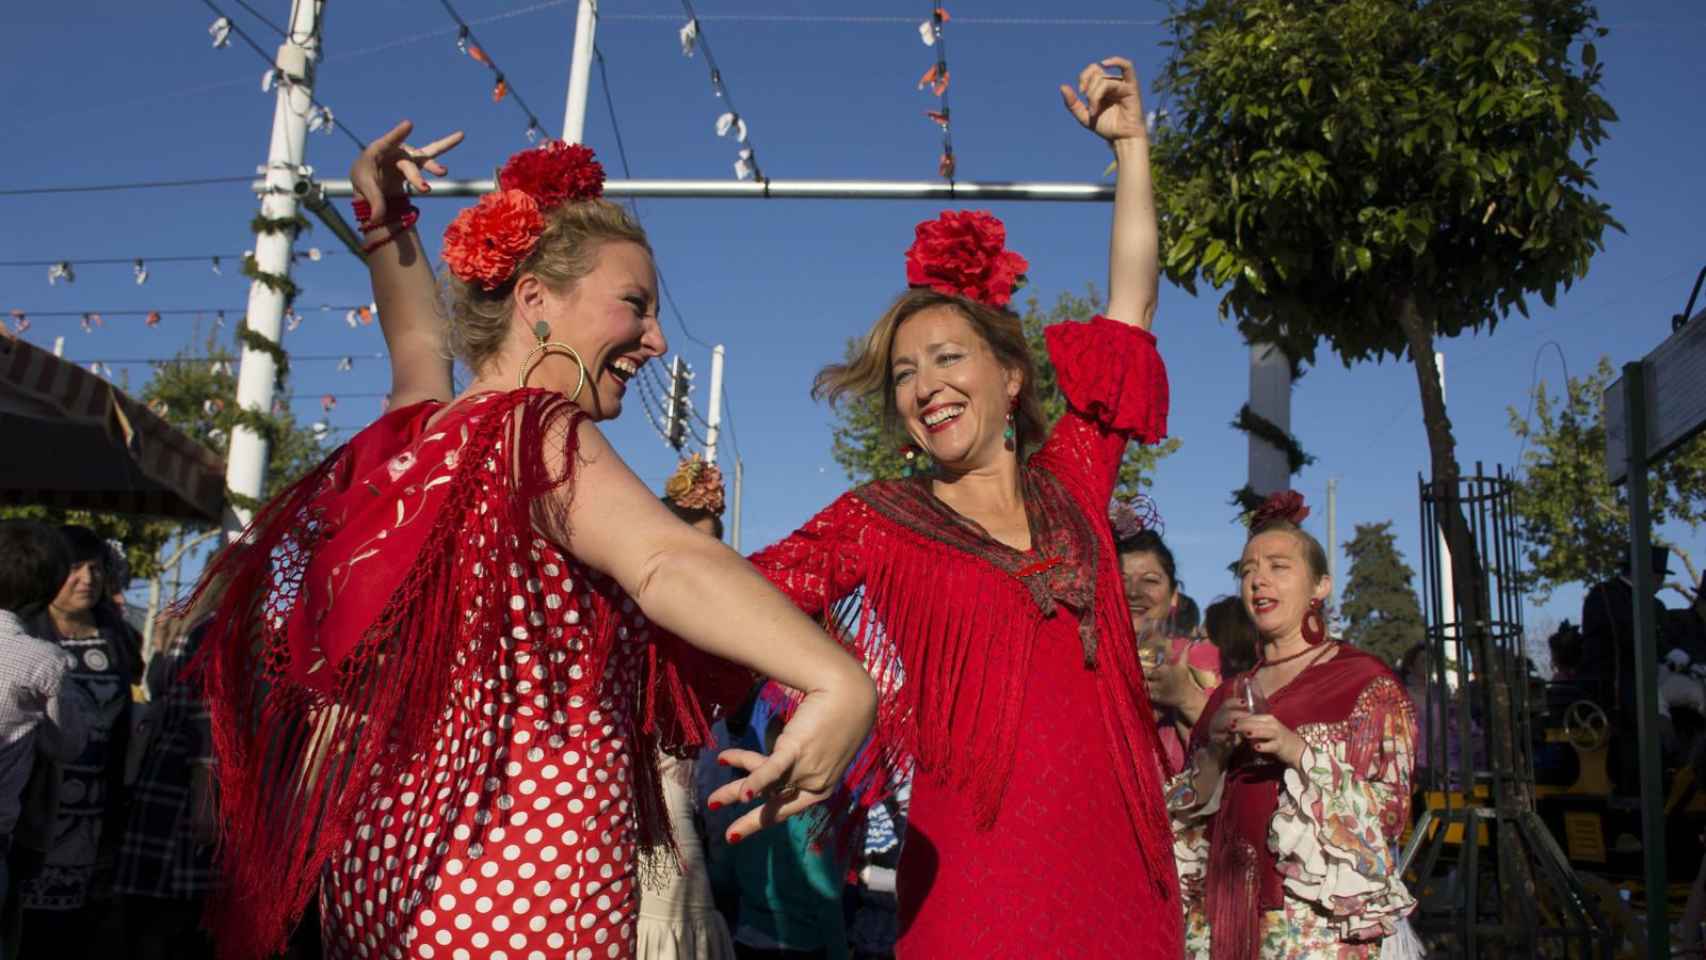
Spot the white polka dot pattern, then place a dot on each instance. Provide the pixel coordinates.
(523, 811)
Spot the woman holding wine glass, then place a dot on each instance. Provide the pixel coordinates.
(1287, 813)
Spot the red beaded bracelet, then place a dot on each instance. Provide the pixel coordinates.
(398, 210)
(401, 225)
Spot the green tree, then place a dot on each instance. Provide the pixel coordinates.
(1574, 524)
(868, 449)
(1376, 174)
(1379, 608)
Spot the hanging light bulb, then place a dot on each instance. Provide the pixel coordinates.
(216, 269)
(141, 271)
(61, 271)
(220, 31)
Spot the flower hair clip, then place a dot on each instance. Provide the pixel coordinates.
(1284, 506)
(1128, 518)
(696, 485)
(485, 244)
(964, 253)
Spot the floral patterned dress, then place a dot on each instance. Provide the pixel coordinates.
(1324, 884)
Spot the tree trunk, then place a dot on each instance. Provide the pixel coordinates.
(1474, 600)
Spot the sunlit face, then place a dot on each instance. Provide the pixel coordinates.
(609, 317)
(950, 390)
(1277, 584)
(81, 590)
(1149, 592)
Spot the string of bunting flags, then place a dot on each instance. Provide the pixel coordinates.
(936, 78)
(730, 121)
(358, 315)
(320, 117)
(65, 269)
(501, 87)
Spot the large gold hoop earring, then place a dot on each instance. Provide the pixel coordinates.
(543, 330)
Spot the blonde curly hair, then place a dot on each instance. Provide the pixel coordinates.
(479, 319)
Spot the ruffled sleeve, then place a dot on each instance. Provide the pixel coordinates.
(1191, 811)
(821, 562)
(1341, 813)
(1116, 391)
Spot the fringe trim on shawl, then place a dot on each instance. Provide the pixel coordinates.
(949, 641)
(297, 763)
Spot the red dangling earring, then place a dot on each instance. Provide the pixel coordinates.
(1314, 623)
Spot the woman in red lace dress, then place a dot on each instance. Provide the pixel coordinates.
(987, 599)
(438, 673)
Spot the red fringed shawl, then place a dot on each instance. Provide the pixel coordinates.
(1242, 880)
(342, 631)
(946, 617)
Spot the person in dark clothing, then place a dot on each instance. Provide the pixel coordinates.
(1608, 640)
(1608, 666)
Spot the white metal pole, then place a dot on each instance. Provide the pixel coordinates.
(580, 72)
(937, 190)
(257, 374)
(1270, 397)
(714, 420)
(1447, 586)
(734, 538)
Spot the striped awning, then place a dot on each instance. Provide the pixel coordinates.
(70, 439)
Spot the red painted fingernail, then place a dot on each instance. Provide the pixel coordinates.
(721, 762)
(716, 805)
(746, 795)
(734, 838)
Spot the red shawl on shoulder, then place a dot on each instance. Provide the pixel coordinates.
(342, 629)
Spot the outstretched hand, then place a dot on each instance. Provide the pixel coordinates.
(388, 164)
(1109, 105)
(806, 761)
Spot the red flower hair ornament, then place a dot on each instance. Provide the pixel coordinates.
(964, 253)
(1287, 506)
(485, 244)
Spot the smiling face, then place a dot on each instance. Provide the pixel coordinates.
(1278, 584)
(609, 317)
(1149, 592)
(950, 391)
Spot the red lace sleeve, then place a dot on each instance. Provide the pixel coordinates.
(819, 563)
(1116, 391)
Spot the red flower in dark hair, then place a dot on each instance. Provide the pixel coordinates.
(964, 253)
(554, 172)
(1286, 505)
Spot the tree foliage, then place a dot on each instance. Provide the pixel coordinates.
(196, 392)
(867, 447)
(1322, 161)
(1573, 522)
(1379, 608)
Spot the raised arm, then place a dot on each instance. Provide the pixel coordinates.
(700, 590)
(1111, 105)
(404, 290)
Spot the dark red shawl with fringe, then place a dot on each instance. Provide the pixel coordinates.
(946, 617)
(1243, 880)
(341, 631)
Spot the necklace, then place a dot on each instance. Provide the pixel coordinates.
(1307, 650)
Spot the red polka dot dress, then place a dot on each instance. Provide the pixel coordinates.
(439, 723)
(536, 856)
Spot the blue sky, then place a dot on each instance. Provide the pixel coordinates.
(104, 92)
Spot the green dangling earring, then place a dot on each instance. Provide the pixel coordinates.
(910, 454)
(1009, 436)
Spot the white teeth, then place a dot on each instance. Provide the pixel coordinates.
(626, 368)
(944, 414)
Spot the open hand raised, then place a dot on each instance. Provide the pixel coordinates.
(806, 760)
(1111, 104)
(388, 163)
